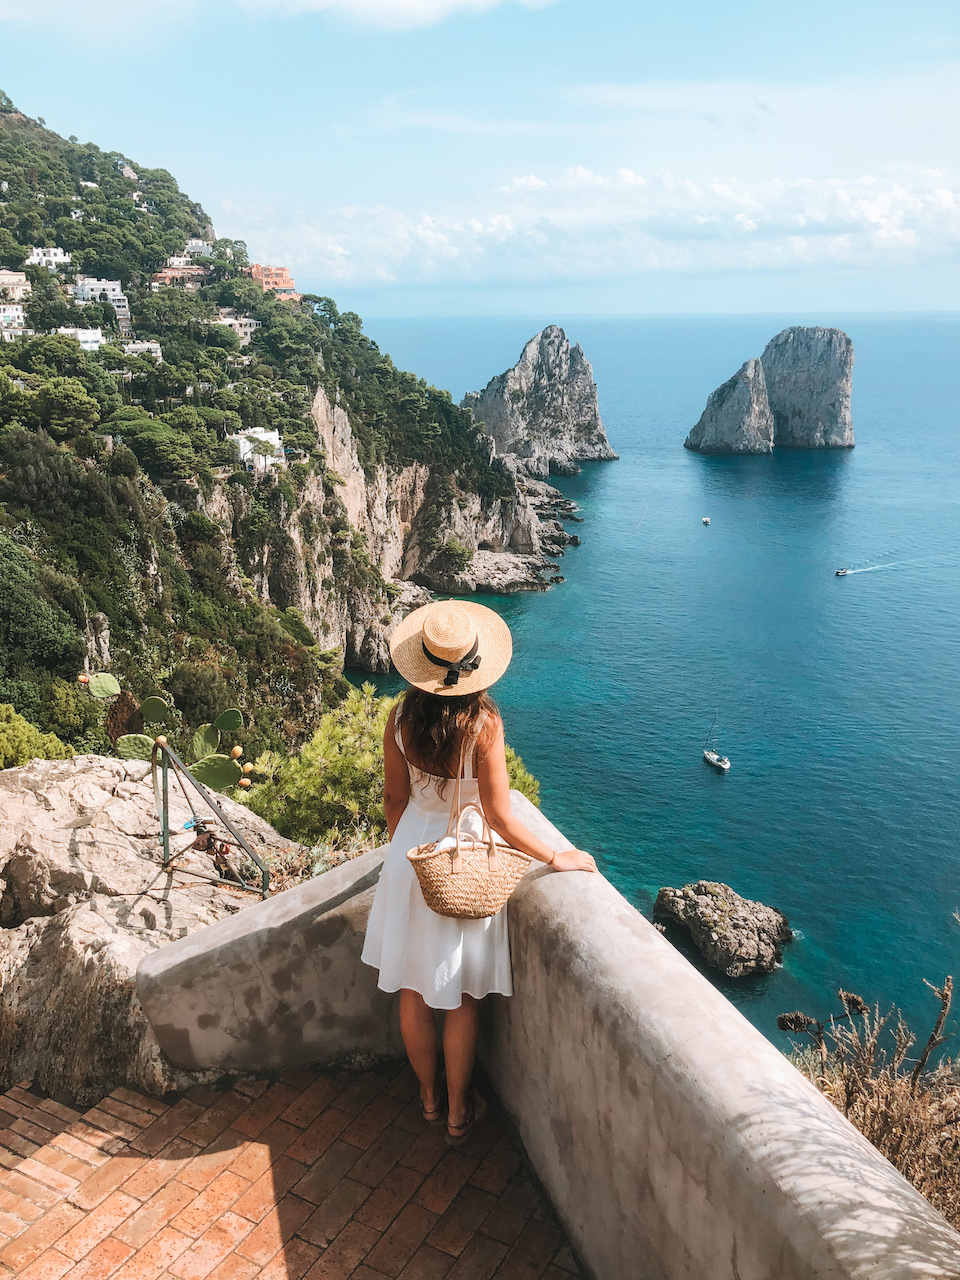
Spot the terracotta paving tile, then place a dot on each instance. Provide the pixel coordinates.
(49, 1266)
(320, 1133)
(266, 1109)
(252, 1088)
(23, 1111)
(479, 1260)
(334, 1212)
(279, 1226)
(210, 1204)
(530, 1256)
(12, 1223)
(108, 1143)
(101, 1182)
(113, 1125)
(292, 1263)
(411, 1117)
(213, 1246)
(161, 1208)
(101, 1261)
(16, 1184)
(234, 1267)
(383, 1205)
(404, 1084)
(201, 1170)
(204, 1095)
(344, 1255)
(155, 1257)
(5, 1116)
(401, 1241)
(509, 1215)
(44, 1233)
(427, 1150)
(270, 1187)
(148, 1176)
(382, 1154)
(76, 1147)
(363, 1272)
(216, 1118)
(56, 1158)
(24, 1138)
(299, 1078)
(314, 1099)
(97, 1225)
(165, 1127)
(48, 1176)
(566, 1261)
(66, 1115)
(21, 1093)
(133, 1115)
(461, 1220)
(323, 1176)
(427, 1264)
(143, 1101)
(372, 1120)
(443, 1184)
(498, 1167)
(359, 1092)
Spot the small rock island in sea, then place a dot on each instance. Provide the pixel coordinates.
(543, 415)
(735, 935)
(796, 396)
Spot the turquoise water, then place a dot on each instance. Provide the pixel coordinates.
(838, 698)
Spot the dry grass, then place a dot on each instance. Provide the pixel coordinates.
(909, 1111)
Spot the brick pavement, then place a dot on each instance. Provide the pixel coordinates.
(313, 1176)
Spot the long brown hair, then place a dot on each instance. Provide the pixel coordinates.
(435, 727)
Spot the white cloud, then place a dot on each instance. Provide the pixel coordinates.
(585, 225)
(391, 14)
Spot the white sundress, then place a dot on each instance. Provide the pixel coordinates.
(440, 957)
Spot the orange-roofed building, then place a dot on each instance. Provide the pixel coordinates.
(276, 278)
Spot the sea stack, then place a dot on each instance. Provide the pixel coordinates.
(737, 418)
(809, 373)
(542, 414)
(796, 396)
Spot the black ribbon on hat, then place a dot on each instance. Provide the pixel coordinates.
(468, 663)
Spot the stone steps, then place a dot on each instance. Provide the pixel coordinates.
(314, 1175)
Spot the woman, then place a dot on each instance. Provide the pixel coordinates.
(450, 653)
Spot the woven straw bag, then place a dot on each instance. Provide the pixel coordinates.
(473, 880)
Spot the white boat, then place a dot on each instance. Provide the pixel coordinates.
(705, 520)
(841, 573)
(710, 752)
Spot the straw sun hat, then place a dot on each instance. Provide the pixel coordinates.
(452, 648)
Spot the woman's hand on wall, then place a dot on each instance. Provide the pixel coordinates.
(573, 860)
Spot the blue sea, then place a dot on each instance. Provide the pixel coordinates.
(838, 699)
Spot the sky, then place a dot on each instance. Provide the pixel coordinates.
(493, 157)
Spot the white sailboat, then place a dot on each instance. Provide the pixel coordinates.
(710, 752)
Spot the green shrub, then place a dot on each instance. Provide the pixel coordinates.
(20, 741)
(521, 779)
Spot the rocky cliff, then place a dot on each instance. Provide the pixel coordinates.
(543, 413)
(797, 396)
(737, 418)
(809, 373)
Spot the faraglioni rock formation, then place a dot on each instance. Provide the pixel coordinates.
(796, 396)
(735, 935)
(737, 418)
(83, 898)
(543, 415)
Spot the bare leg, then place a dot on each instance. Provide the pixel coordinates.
(460, 1030)
(420, 1042)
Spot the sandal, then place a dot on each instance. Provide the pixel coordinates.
(457, 1134)
(432, 1115)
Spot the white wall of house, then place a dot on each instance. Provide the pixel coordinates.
(89, 339)
(53, 258)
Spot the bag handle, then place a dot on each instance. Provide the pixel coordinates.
(493, 858)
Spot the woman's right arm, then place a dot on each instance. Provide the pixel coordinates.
(396, 777)
(495, 800)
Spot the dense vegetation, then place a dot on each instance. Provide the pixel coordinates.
(122, 504)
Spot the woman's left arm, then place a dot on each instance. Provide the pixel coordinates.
(396, 777)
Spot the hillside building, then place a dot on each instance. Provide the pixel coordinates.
(277, 279)
(243, 326)
(53, 259)
(252, 460)
(13, 323)
(14, 285)
(179, 278)
(137, 348)
(89, 339)
(198, 248)
(90, 289)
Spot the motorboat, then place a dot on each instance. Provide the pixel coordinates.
(841, 573)
(705, 520)
(718, 761)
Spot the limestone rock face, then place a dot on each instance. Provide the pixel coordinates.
(737, 418)
(736, 936)
(543, 413)
(809, 373)
(82, 898)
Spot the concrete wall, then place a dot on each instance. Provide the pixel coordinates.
(674, 1140)
(279, 985)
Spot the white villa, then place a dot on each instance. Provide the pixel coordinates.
(89, 339)
(178, 260)
(137, 348)
(253, 461)
(198, 248)
(14, 285)
(53, 259)
(13, 322)
(243, 326)
(90, 289)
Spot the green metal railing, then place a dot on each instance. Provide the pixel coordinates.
(162, 759)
